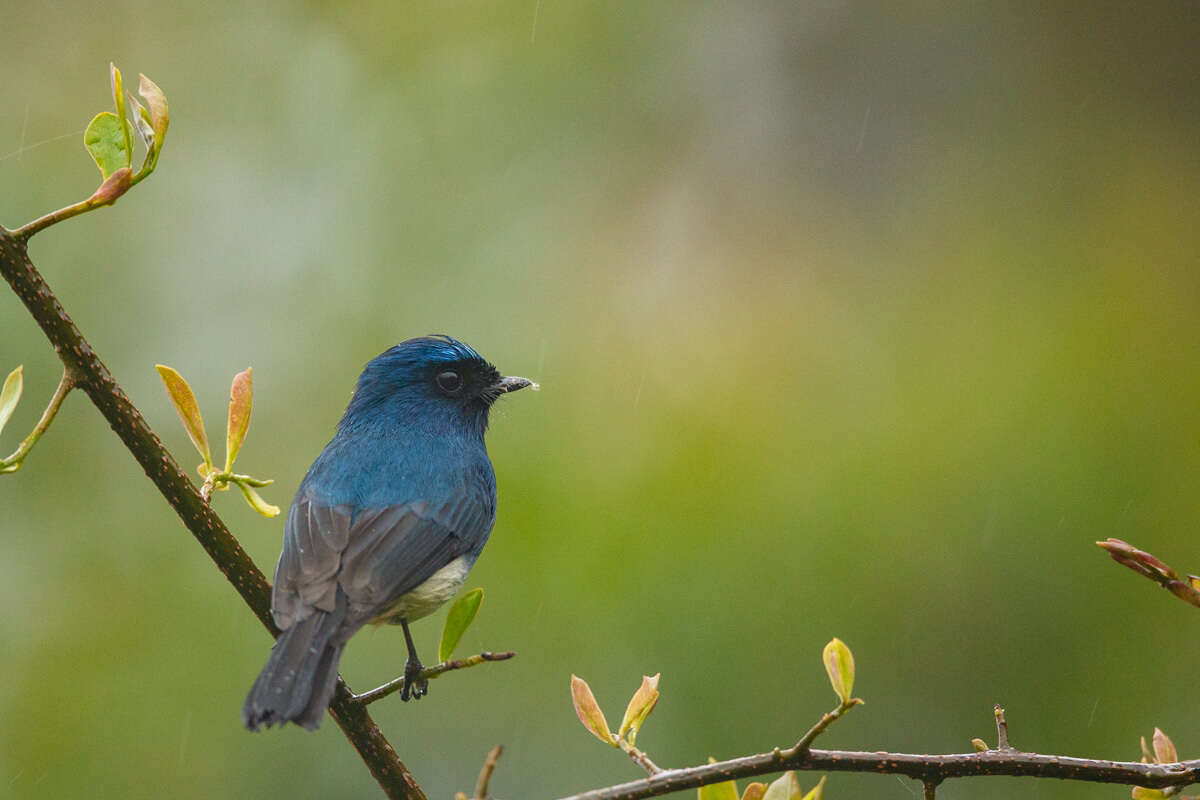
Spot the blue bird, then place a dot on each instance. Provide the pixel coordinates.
(386, 524)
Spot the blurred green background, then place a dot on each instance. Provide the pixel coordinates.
(852, 319)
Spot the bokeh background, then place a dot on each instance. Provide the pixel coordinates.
(852, 319)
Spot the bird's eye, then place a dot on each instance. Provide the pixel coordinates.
(449, 381)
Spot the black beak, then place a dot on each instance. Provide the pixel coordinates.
(512, 384)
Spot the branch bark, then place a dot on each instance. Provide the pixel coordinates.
(930, 769)
(91, 376)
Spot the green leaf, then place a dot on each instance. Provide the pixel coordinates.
(640, 706)
(817, 791)
(1147, 753)
(160, 115)
(754, 791)
(726, 790)
(980, 745)
(256, 502)
(1142, 793)
(185, 405)
(588, 711)
(839, 663)
(461, 615)
(118, 93)
(105, 140)
(10, 395)
(241, 394)
(785, 787)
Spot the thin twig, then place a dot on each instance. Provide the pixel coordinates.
(1001, 730)
(116, 185)
(485, 774)
(639, 757)
(14, 461)
(396, 684)
(816, 730)
(1186, 588)
(930, 790)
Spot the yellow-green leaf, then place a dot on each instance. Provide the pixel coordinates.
(461, 615)
(105, 140)
(1147, 753)
(588, 711)
(640, 706)
(980, 745)
(256, 502)
(754, 791)
(1142, 793)
(726, 790)
(817, 791)
(241, 393)
(785, 787)
(114, 75)
(10, 395)
(185, 405)
(839, 663)
(1164, 748)
(160, 115)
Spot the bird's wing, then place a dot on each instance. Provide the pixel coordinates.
(375, 556)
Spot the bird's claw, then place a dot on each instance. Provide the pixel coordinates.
(415, 687)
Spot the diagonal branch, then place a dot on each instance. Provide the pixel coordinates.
(93, 378)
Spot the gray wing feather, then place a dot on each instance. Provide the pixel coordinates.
(375, 557)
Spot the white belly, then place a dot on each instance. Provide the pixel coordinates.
(430, 595)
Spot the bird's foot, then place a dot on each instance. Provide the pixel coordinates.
(415, 686)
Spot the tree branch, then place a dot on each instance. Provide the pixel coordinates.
(93, 378)
(929, 769)
(485, 774)
(395, 685)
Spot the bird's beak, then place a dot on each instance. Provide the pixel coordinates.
(513, 383)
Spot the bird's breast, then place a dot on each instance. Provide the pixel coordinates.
(427, 597)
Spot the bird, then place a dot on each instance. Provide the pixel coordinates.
(386, 523)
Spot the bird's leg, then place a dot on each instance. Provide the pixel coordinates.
(414, 686)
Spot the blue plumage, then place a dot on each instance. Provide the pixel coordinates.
(387, 522)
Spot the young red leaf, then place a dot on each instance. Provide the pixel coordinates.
(754, 791)
(185, 405)
(1164, 748)
(589, 711)
(160, 116)
(640, 706)
(241, 393)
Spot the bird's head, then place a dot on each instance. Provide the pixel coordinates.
(432, 379)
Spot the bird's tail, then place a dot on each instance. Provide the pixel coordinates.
(298, 681)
